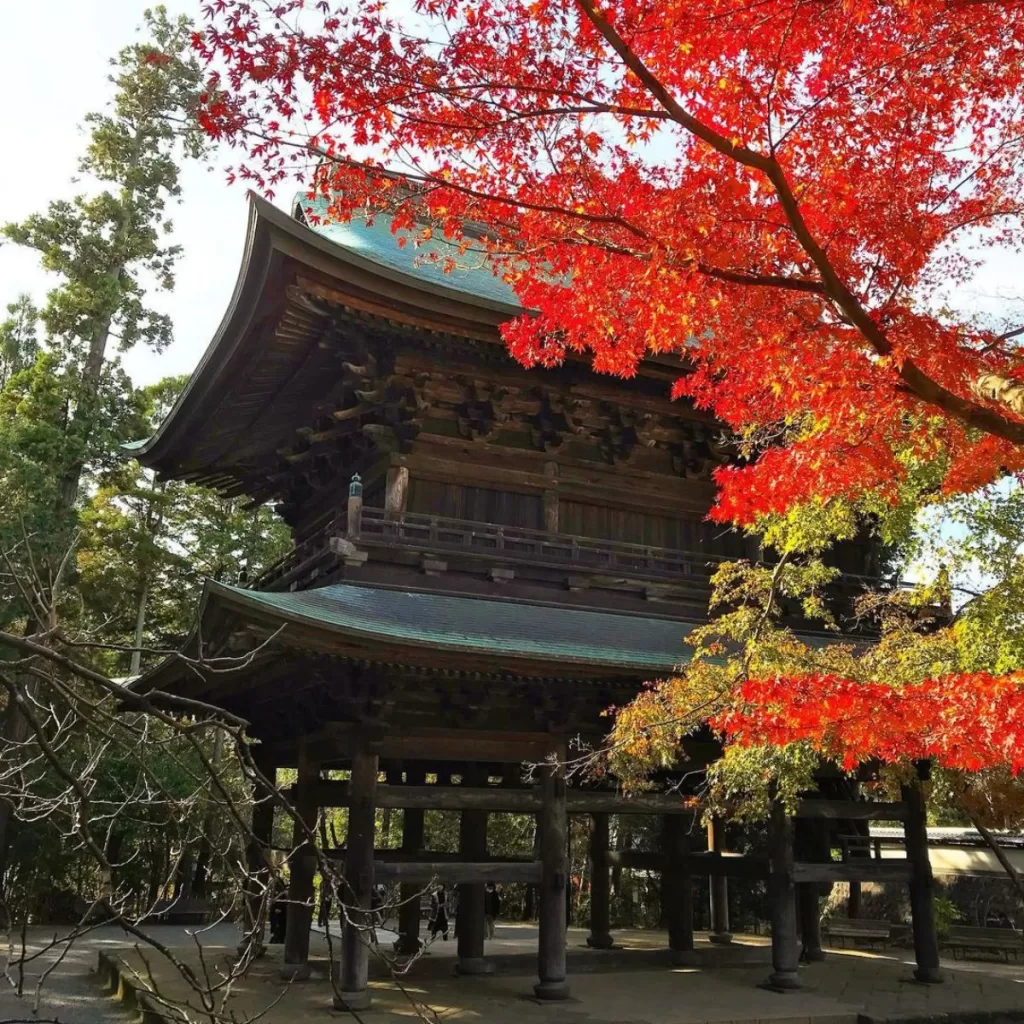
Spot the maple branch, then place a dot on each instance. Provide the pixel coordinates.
(918, 382)
(741, 154)
(793, 284)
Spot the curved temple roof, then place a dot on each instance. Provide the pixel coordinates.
(377, 276)
(509, 630)
(422, 261)
(414, 627)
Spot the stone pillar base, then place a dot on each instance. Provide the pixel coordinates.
(928, 975)
(684, 958)
(720, 938)
(784, 981)
(352, 1001)
(551, 990)
(295, 972)
(470, 965)
(600, 941)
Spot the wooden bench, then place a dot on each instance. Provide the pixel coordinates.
(963, 939)
(857, 930)
(183, 911)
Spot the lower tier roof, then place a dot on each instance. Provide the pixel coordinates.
(506, 629)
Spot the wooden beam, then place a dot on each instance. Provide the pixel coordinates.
(458, 872)
(853, 810)
(445, 744)
(711, 864)
(593, 801)
(853, 871)
(334, 793)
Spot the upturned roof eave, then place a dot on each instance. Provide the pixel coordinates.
(272, 230)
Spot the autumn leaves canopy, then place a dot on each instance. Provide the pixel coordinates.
(780, 193)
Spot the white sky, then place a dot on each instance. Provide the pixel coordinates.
(53, 67)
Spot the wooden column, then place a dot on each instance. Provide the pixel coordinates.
(553, 822)
(550, 497)
(810, 922)
(257, 897)
(302, 868)
(677, 891)
(922, 887)
(357, 891)
(469, 918)
(853, 906)
(396, 489)
(785, 944)
(719, 887)
(600, 884)
(810, 844)
(412, 842)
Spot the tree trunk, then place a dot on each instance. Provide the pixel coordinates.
(140, 625)
(91, 374)
(990, 841)
(204, 846)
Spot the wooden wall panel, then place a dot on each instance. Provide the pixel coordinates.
(479, 504)
(687, 533)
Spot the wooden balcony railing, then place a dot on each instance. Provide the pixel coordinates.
(508, 545)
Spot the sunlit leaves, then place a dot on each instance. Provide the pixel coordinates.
(895, 128)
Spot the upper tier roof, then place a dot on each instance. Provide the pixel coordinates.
(315, 326)
(422, 261)
(262, 357)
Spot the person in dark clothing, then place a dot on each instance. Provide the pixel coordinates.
(492, 908)
(377, 905)
(278, 920)
(439, 914)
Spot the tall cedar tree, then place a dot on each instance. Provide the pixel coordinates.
(107, 245)
(63, 414)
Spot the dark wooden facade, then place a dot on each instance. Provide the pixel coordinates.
(486, 557)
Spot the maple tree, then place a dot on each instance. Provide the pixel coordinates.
(781, 193)
(770, 189)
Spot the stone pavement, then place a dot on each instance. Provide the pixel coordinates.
(69, 994)
(620, 987)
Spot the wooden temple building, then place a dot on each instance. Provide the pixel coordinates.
(485, 559)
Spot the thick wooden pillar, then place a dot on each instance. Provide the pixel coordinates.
(853, 906)
(677, 891)
(810, 921)
(412, 842)
(922, 888)
(553, 822)
(302, 869)
(469, 917)
(357, 892)
(719, 887)
(785, 944)
(257, 895)
(600, 884)
(810, 844)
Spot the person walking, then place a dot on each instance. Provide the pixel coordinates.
(439, 914)
(492, 907)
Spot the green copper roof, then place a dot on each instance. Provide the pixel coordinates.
(424, 260)
(504, 629)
